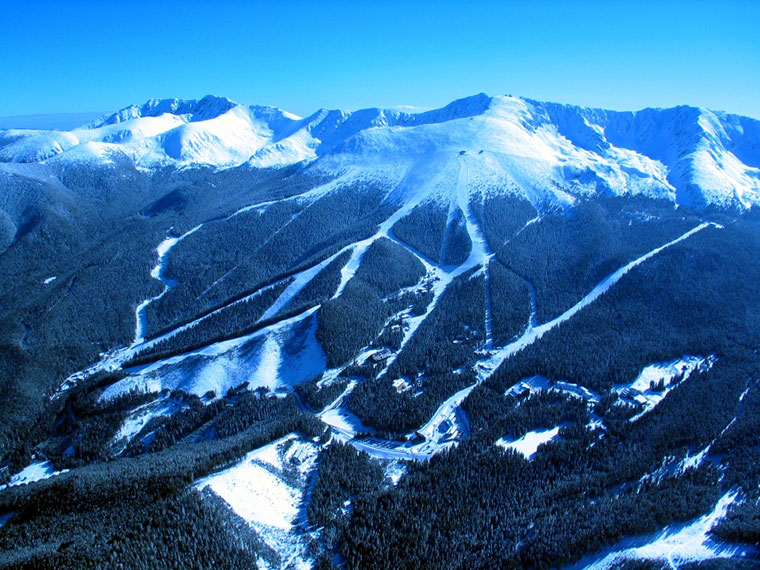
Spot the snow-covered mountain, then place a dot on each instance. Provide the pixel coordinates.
(462, 338)
(544, 151)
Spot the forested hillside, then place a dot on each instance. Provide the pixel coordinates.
(451, 339)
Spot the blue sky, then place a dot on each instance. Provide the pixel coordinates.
(73, 56)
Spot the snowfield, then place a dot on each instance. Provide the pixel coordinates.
(528, 444)
(34, 472)
(547, 151)
(260, 491)
(552, 155)
(281, 355)
(641, 391)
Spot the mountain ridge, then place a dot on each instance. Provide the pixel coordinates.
(692, 156)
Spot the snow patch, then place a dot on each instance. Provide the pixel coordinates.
(281, 355)
(656, 380)
(529, 443)
(262, 491)
(34, 472)
(139, 418)
(394, 470)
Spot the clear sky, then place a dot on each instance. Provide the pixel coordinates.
(74, 56)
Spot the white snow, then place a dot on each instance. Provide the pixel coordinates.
(677, 544)
(534, 333)
(531, 384)
(538, 382)
(34, 472)
(528, 444)
(487, 366)
(394, 470)
(280, 355)
(257, 495)
(299, 282)
(344, 423)
(640, 389)
(549, 153)
(140, 417)
(50, 279)
(158, 272)
(259, 492)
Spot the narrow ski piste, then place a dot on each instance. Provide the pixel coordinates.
(480, 249)
(158, 272)
(116, 357)
(487, 366)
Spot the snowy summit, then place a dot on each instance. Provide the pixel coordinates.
(692, 156)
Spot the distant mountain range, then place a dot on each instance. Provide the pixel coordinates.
(691, 156)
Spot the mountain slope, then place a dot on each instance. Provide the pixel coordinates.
(503, 333)
(691, 156)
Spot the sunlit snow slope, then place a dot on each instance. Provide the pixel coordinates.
(693, 156)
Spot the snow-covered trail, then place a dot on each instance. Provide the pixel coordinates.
(158, 272)
(518, 232)
(116, 357)
(488, 310)
(480, 253)
(300, 280)
(534, 333)
(223, 346)
(533, 319)
(442, 276)
(485, 368)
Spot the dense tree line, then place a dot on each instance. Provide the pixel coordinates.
(541, 410)
(588, 488)
(457, 245)
(218, 419)
(321, 287)
(388, 267)
(163, 533)
(741, 524)
(96, 229)
(638, 321)
(355, 318)
(349, 322)
(343, 474)
(489, 508)
(510, 303)
(318, 397)
(132, 510)
(501, 215)
(565, 256)
(231, 321)
(84, 431)
(424, 228)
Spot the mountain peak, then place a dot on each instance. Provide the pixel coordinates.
(208, 107)
(692, 156)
